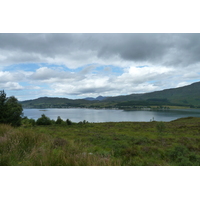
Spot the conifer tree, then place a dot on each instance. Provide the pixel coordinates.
(10, 110)
(3, 107)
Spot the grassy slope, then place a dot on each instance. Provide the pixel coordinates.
(187, 95)
(125, 143)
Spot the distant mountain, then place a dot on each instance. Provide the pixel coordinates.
(89, 98)
(186, 95)
(99, 98)
(53, 102)
(183, 96)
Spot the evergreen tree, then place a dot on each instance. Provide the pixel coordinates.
(59, 120)
(69, 122)
(10, 110)
(14, 111)
(3, 107)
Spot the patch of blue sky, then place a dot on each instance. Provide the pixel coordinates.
(193, 80)
(44, 86)
(37, 86)
(94, 65)
(74, 70)
(32, 67)
(24, 84)
(142, 66)
(108, 69)
(53, 66)
(29, 67)
(13, 93)
(95, 68)
(29, 86)
(65, 68)
(154, 81)
(117, 70)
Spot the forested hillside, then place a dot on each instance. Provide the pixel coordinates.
(182, 96)
(187, 95)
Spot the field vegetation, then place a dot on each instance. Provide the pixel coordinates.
(48, 142)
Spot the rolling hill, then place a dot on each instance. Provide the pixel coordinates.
(186, 95)
(183, 96)
(53, 102)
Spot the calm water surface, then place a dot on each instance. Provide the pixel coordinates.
(109, 115)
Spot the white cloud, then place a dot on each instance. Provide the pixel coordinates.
(147, 62)
(91, 81)
(135, 75)
(6, 76)
(11, 86)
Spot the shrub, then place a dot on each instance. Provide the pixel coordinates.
(83, 122)
(53, 121)
(43, 120)
(69, 122)
(59, 120)
(28, 122)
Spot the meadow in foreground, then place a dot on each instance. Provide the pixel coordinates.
(175, 143)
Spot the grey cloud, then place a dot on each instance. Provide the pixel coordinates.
(137, 47)
(93, 89)
(45, 44)
(46, 74)
(87, 70)
(166, 49)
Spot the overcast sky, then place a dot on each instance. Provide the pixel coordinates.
(88, 65)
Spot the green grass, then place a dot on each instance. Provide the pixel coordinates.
(175, 143)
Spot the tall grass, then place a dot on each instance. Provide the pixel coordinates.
(96, 144)
(29, 148)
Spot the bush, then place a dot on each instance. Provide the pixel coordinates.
(43, 120)
(59, 120)
(83, 122)
(69, 122)
(28, 122)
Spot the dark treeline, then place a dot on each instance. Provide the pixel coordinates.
(149, 102)
(44, 120)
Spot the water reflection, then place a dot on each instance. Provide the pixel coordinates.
(108, 115)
